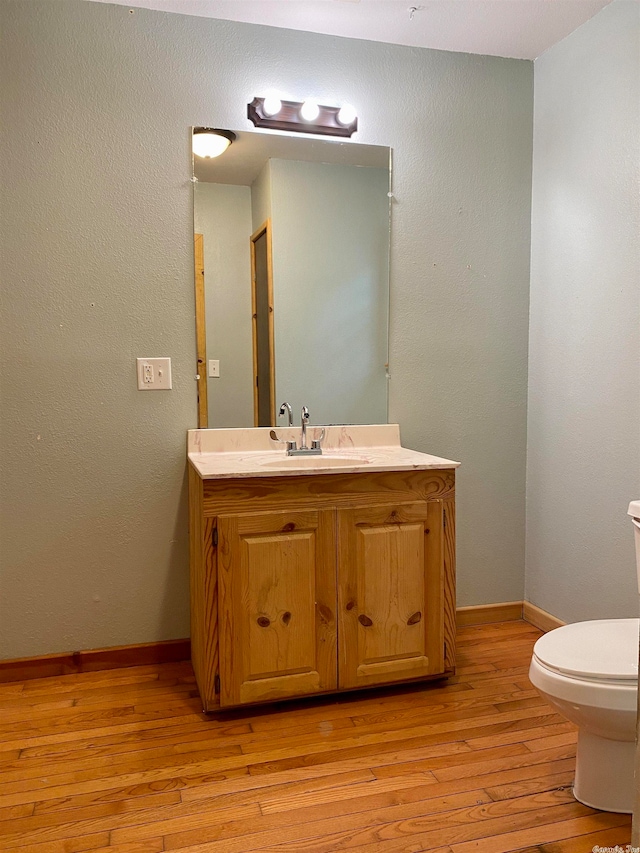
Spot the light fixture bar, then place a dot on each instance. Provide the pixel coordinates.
(289, 118)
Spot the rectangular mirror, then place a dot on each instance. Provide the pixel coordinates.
(292, 280)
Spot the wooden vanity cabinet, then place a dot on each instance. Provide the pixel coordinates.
(276, 605)
(390, 593)
(318, 583)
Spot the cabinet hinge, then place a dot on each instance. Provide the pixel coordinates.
(216, 684)
(214, 537)
(444, 518)
(445, 651)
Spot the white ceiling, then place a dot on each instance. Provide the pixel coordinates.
(516, 28)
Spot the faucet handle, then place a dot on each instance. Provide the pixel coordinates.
(316, 442)
(291, 445)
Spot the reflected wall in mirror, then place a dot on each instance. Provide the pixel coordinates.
(293, 299)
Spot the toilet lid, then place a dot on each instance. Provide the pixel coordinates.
(604, 649)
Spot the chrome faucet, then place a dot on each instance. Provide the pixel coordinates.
(304, 419)
(303, 450)
(292, 448)
(286, 407)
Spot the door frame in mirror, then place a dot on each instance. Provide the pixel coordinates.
(263, 230)
(201, 332)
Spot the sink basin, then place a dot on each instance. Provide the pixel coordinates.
(315, 462)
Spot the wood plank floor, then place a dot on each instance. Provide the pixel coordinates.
(125, 761)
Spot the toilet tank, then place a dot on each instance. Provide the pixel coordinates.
(634, 512)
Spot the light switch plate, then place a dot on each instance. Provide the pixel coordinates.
(214, 368)
(154, 374)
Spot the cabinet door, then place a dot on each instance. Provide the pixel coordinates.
(390, 599)
(277, 594)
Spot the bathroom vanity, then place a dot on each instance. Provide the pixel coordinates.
(318, 574)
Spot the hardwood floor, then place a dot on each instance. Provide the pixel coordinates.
(125, 761)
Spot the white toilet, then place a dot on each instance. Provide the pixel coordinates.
(588, 671)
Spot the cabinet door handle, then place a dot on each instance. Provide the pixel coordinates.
(365, 621)
(413, 620)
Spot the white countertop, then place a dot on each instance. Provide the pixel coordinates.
(231, 453)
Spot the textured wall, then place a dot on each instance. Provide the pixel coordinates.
(261, 197)
(97, 104)
(584, 406)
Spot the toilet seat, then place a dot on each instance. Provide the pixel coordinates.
(604, 650)
(587, 671)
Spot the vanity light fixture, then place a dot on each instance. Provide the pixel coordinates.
(307, 117)
(211, 142)
(271, 105)
(309, 111)
(346, 115)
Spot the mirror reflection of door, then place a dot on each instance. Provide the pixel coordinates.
(262, 314)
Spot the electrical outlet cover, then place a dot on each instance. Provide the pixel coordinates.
(154, 374)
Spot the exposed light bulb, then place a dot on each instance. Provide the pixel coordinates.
(309, 111)
(346, 115)
(210, 144)
(271, 105)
